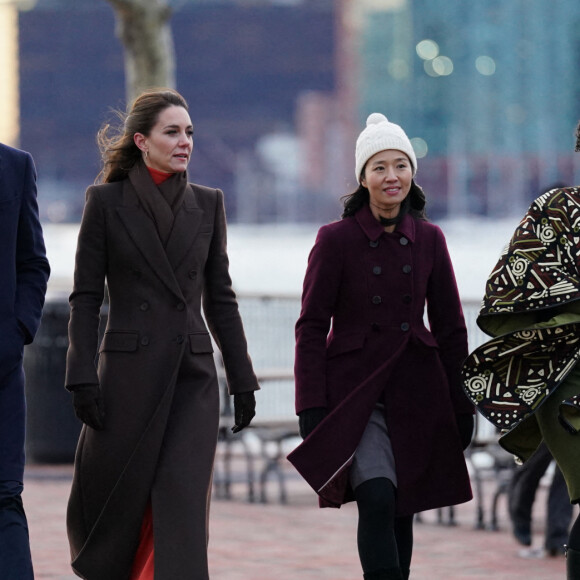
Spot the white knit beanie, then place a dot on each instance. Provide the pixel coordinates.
(377, 136)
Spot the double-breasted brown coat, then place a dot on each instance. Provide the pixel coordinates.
(158, 378)
(361, 339)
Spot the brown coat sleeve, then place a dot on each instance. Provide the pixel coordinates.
(88, 293)
(221, 310)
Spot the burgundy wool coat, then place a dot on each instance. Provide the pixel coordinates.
(361, 339)
(158, 379)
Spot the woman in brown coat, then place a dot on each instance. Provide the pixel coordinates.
(143, 468)
(379, 396)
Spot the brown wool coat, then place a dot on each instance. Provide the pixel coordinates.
(361, 339)
(158, 379)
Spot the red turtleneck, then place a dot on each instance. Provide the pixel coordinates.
(158, 176)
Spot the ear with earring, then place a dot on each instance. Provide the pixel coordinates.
(141, 142)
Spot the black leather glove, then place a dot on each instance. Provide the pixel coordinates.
(244, 410)
(465, 424)
(309, 419)
(88, 405)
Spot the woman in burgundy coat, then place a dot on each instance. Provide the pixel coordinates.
(379, 395)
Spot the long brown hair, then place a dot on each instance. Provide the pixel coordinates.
(118, 150)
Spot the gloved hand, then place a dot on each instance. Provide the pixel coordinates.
(244, 410)
(465, 424)
(88, 405)
(309, 419)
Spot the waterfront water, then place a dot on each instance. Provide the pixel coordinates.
(271, 259)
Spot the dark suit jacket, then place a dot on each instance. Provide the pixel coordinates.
(23, 265)
(24, 272)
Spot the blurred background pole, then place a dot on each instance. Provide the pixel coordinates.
(9, 93)
(349, 14)
(143, 28)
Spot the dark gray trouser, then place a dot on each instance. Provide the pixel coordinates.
(522, 493)
(15, 559)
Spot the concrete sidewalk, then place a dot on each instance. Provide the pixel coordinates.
(298, 540)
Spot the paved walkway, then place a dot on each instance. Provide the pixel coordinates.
(298, 540)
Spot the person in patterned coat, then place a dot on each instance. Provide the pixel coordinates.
(526, 380)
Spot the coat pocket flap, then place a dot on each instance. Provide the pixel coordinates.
(200, 343)
(119, 341)
(345, 343)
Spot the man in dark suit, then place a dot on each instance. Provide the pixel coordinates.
(24, 272)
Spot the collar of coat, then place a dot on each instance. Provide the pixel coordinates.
(539, 268)
(161, 202)
(374, 230)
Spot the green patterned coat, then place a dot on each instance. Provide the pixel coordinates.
(531, 307)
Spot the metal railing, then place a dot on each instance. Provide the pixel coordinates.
(269, 324)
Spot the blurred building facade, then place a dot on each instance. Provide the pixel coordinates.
(279, 90)
(487, 88)
(242, 66)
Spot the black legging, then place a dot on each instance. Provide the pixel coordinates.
(384, 541)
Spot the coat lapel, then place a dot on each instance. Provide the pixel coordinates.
(144, 234)
(374, 230)
(185, 229)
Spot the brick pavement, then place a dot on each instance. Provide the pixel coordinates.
(259, 542)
